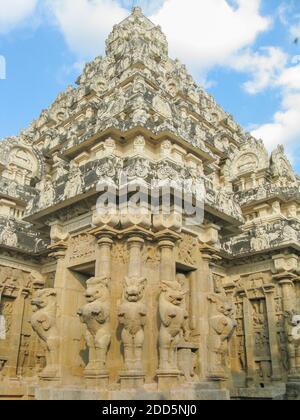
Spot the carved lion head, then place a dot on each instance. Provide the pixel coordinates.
(42, 298)
(173, 292)
(97, 289)
(134, 288)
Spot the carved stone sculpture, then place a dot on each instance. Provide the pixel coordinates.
(293, 343)
(43, 322)
(96, 315)
(221, 328)
(173, 317)
(132, 316)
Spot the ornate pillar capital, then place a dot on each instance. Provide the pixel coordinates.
(167, 238)
(285, 263)
(230, 289)
(269, 288)
(285, 278)
(103, 233)
(58, 250)
(209, 253)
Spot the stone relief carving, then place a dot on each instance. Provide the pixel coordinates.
(8, 235)
(293, 345)
(96, 315)
(222, 326)
(132, 316)
(47, 192)
(6, 317)
(75, 182)
(81, 247)
(44, 324)
(188, 249)
(173, 316)
(280, 166)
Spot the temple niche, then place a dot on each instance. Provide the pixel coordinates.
(146, 298)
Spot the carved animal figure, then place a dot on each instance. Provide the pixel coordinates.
(96, 315)
(43, 322)
(173, 317)
(222, 326)
(132, 315)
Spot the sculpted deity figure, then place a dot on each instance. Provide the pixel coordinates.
(96, 315)
(222, 326)
(47, 193)
(132, 316)
(173, 317)
(43, 322)
(8, 236)
(74, 184)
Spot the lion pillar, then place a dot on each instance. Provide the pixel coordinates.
(96, 313)
(132, 317)
(43, 322)
(171, 311)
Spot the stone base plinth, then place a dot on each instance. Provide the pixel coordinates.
(96, 379)
(293, 391)
(132, 380)
(272, 392)
(13, 389)
(69, 394)
(217, 376)
(50, 375)
(199, 391)
(168, 379)
(294, 378)
(184, 392)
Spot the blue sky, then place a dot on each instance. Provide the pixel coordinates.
(243, 51)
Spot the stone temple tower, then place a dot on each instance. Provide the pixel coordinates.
(149, 247)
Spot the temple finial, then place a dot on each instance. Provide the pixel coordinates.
(137, 11)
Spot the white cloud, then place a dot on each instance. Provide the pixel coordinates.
(204, 33)
(290, 78)
(85, 24)
(201, 33)
(265, 66)
(285, 125)
(14, 12)
(295, 30)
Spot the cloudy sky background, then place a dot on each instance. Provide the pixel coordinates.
(245, 52)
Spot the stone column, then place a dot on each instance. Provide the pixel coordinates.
(167, 264)
(99, 377)
(103, 256)
(206, 288)
(168, 378)
(132, 315)
(271, 311)
(249, 339)
(286, 281)
(135, 246)
(58, 251)
(285, 266)
(230, 290)
(16, 334)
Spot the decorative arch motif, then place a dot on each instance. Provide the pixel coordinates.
(252, 157)
(280, 165)
(21, 161)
